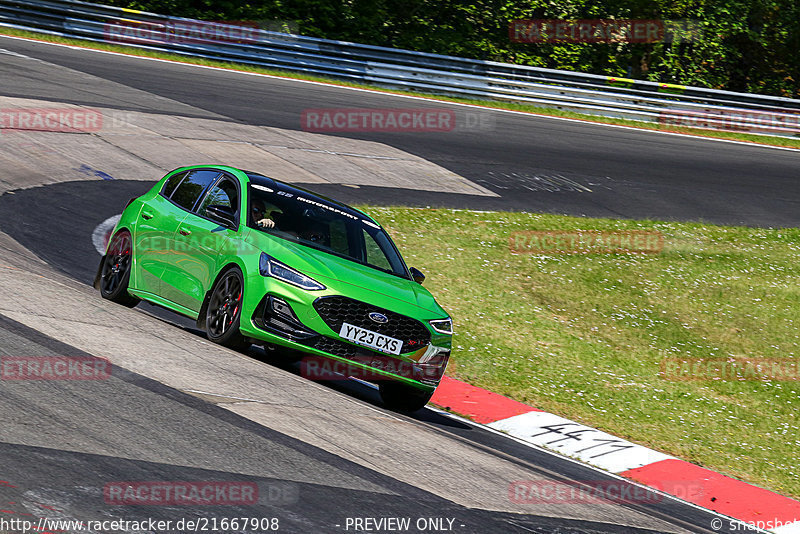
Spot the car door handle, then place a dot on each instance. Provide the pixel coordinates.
(146, 215)
(184, 231)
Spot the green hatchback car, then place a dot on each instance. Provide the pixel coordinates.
(256, 260)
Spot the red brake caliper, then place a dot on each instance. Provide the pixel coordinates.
(236, 309)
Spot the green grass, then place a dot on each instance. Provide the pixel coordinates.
(735, 136)
(583, 335)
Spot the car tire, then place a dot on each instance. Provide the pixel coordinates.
(224, 310)
(115, 271)
(402, 398)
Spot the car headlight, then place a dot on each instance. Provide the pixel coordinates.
(443, 326)
(269, 266)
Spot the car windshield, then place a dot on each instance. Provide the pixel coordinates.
(315, 222)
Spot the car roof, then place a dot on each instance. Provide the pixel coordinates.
(272, 183)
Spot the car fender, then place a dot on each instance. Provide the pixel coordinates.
(128, 221)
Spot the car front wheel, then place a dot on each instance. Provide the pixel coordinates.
(224, 310)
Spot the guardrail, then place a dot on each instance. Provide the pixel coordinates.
(405, 69)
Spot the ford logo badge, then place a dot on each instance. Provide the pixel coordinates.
(378, 317)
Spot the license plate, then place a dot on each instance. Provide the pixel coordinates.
(368, 338)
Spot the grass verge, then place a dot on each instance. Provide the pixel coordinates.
(525, 108)
(583, 335)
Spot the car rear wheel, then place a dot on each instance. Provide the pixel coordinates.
(402, 398)
(224, 310)
(115, 271)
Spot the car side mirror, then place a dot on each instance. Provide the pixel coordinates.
(417, 275)
(221, 214)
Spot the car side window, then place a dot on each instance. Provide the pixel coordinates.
(375, 255)
(190, 189)
(172, 183)
(339, 241)
(224, 193)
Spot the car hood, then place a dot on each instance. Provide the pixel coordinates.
(346, 276)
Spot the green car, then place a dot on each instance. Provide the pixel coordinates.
(256, 260)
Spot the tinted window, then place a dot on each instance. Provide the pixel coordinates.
(172, 183)
(324, 225)
(375, 254)
(192, 187)
(339, 241)
(222, 194)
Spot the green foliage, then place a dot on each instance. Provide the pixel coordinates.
(741, 45)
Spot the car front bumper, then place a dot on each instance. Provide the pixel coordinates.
(284, 317)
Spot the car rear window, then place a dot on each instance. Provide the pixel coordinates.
(192, 187)
(172, 183)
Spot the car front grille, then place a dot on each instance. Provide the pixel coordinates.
(336, 310)
(336, 347)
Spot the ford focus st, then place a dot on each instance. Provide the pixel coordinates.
(255, 260)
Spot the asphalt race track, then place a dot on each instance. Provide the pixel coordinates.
(318, 493)
(178, 408)
(631, 174)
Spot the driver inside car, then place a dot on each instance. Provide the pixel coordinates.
(260, 215)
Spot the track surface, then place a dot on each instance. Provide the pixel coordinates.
(151, 407)
(631, 174)
(64, 440)
(140, 417)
